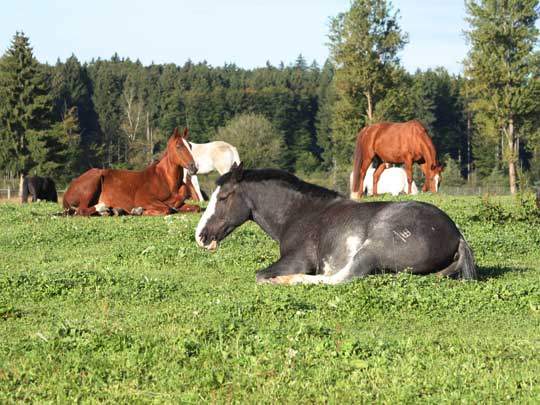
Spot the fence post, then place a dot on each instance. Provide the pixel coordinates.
(9, 192)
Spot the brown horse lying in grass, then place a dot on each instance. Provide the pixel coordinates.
(158, 189)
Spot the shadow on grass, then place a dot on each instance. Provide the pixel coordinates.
(487, 272)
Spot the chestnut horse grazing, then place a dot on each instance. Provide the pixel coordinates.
(158, 189)
(406, 143)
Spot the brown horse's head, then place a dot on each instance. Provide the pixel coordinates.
(179, 151)
(436, 177)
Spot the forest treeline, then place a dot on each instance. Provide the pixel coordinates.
(61, 120)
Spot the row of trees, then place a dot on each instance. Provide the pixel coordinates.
(60, 120)
(495, 107)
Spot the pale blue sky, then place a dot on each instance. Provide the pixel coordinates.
(246, 32)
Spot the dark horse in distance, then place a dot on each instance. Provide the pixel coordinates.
(42, 188)
(326, 238)
(158, 189)
(406, 143)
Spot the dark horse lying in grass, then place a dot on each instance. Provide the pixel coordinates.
(42, 188)
(158, 189)
(325, 238)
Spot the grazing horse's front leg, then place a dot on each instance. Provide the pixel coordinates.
(426, 169)
(281, 271)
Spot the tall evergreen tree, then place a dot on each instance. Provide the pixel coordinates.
(325, 100)
(25, 105)
(502, 66)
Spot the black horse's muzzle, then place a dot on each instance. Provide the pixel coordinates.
(205, 241)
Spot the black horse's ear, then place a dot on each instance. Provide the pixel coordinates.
(238, 171)
(185, 134)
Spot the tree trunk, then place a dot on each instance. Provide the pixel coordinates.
(469, 166)
(21, 181)
(369, 110)
(511, 157)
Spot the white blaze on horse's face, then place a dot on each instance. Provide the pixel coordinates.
(437, 179)
(210, 210)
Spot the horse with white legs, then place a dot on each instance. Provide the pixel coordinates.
(393, 180)
(211, 156)
(326, 238)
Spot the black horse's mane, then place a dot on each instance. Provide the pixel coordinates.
(285, 178)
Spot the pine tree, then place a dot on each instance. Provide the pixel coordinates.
(502, 66)
(325, 100)
(25, 105)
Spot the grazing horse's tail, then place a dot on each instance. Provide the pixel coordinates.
(465, 263)
(24, 195)
(357, 163)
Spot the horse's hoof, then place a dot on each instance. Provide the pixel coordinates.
(137, 211)
(263, 280)
(102, 209)
(119, 212)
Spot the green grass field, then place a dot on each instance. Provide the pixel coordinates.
(130, 310)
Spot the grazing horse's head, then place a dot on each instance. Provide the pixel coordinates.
(436, 177)
(179, 151)
(226, 210)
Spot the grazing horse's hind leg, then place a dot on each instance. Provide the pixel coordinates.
(363, 169)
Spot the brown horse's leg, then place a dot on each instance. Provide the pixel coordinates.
(190, 208)
(426, 169)
(376, 177)
(156, 207)
(363, 170)
(408, 170)
(86, 211)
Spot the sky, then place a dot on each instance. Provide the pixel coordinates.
(245, 32)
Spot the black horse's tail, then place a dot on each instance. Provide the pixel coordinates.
(24, 195)
(465, 264)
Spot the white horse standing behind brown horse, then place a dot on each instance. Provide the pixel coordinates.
(393, 180)
(211, 156)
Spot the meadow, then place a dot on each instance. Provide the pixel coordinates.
(130, 310)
